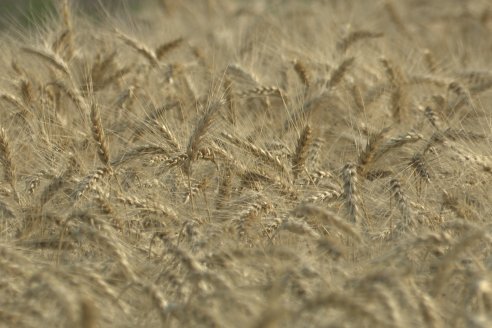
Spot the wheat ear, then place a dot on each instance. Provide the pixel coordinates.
(99, 136)
(356, 36)
(401, 202)
(199, 134)
(139, 47)
(7, 160)
(300, 155)
(349, 176)
(49, 57)
(368, 155)
(167, 47)
(338, 74)
(302, 73)
(255, 150)
(329, 218)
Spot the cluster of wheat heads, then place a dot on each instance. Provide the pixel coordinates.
(248, 164)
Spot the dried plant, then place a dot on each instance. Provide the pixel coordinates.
(302, 149)
(244, 163)
(99, 136)
(6, 159)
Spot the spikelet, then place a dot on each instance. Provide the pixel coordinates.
(447, 262)
(396, 103)
(141, 49)
(199, 134)
(6, 159)
(323, 196)
(301, 152)
(53, 59)
(477, 81)
(461, 134)
(316, 176)
(99, 136)
(235, 70)
(302, 73)
(357, 97)
(401, 203)
(329, 218)
(224, 192)
(338, 74)
(167, 47)
(396, 18)
(159, 301)
(297, 227)
(106, 237)
(354, 37)
(58, 181)
(153, 121)
(313, 159)
(342, 301)
(89, 181)
(433, 118)
(13, 100)
(252, 213)
(398, 94)
(195, 189)
(230, 101)
(484, 162)
(418, 164)
(394, 75)
(168, 136)
(67, 38)
(146, 205)
(255, 150)
(175, 161)
(367, 156)
(430, 61)
(349, 176)
(104, 71)
(138, 152)
(262, 91)
(26, 91)
(397, 142)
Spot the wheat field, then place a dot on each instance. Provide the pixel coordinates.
(248, 164)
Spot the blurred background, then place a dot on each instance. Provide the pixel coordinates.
(27, 12)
